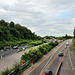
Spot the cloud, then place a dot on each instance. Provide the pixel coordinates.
(44, 17)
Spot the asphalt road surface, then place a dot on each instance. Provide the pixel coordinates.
(10, 60)
(50, 61)
(67, 67)
(10, 51)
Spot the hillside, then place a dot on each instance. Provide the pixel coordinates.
(11, 31)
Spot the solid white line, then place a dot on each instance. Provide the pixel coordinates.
(70, 59)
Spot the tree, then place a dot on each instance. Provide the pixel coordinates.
(11, 25)
(3, 23)
(66, 36)
(74, 32)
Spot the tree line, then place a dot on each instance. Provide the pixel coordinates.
(11, 31)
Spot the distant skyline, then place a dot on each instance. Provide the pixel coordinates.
(44, 17)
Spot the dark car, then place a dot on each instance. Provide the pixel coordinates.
(45, 41)
(15, 47)
(47, 72)
(60, 54)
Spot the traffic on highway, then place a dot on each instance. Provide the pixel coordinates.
(50, 64)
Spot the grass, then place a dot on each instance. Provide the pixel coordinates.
(74, 46)
(20, 42)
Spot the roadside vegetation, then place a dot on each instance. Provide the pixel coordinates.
(33, 55)
(64, 37)
(36, 54)
(74, 41)
(34, 43)
(74, 45)
(15, 34)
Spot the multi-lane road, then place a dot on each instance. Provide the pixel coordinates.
(50, 61)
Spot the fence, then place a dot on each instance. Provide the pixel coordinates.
(20, 68)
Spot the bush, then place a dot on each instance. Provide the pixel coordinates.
(35, 43)
(5, 72)
(74, 45)
(35, 54)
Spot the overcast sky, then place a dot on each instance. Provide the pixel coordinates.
(44, 17)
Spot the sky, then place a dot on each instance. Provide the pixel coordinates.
(44, 17)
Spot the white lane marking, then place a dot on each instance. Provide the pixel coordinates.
(47, 63)
(70, 59)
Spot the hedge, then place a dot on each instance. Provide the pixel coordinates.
(36, 54)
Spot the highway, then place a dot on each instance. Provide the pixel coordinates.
(49, 62)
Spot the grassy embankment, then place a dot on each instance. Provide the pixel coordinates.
(21, 43)
(74, 46)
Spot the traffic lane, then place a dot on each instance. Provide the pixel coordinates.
(25, 72)
(38, 73)
(37, 70)
(53, 65)
(66, 68)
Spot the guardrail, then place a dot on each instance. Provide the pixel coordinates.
(20, 68)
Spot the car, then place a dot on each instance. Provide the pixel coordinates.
(60, 54)
(22, 48)
(45, 41)
(67, 43)
(47, 72)
(15, 47)
(50, 40)
(65, 47)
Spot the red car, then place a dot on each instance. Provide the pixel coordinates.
(47, 72)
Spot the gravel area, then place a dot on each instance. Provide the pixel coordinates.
(10, 60)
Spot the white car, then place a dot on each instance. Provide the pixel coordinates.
(22, 48)
(67, 43)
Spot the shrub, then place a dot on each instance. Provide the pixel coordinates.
(35, 54)
(5, 72)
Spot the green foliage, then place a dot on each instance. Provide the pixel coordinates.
(11, 25)
(35, 54)
(46, 40)
(8, 70)
(32, 55)
(74, 45)
(5, 72)
(35, 43)
(74, 32)
(64, 37)
(48, 37)
(15, 32)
